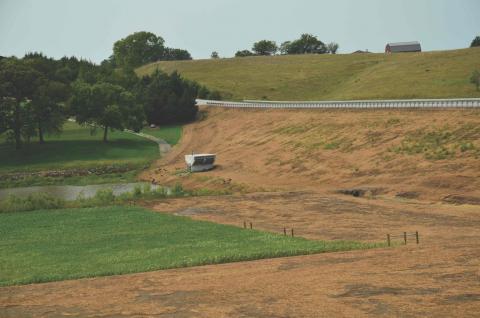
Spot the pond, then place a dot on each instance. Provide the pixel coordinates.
(70, 192)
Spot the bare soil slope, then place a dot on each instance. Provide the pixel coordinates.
(426, 155)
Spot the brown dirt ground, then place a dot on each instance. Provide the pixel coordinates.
(440, 277)
(285, 149)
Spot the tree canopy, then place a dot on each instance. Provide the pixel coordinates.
(168, 98)
(138, 49)
(332, 47)
(18, 83)
(106, 105)
(306, 44)
(142, 48)
(243, 53)
(38, 93)
(475, 42)
(265, 47)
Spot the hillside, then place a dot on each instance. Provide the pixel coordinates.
(426, 155)
(439, 74)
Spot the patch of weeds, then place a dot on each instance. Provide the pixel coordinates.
(466, 146)
(439, 144)
(103, 197)
(332, 145)
(32, 202)
(181, 172)
(293, 129)
(392, 122)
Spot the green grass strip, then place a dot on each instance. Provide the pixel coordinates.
(43, 246)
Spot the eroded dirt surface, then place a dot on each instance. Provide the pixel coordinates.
(440, 277)
(434, 154)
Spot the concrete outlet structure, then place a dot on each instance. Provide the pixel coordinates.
(200, 162)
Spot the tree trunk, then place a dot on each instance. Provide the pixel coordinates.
(40, 133)
(17, 128)
(105, 134)
(18, 138)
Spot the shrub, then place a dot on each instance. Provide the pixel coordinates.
(104, 197)
(37, 201)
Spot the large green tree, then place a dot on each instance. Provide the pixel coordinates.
(48, 101)
(142, 48)
(169, 99)
(18, 83)
(137, 49)
(306, 44)
(265, 47)
(48, 107)
(106, 105)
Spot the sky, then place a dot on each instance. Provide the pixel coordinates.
(88, 28)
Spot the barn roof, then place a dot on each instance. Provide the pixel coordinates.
(405, 46)
(404, 43)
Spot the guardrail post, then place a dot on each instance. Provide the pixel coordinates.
(405, 237)
(416, 236)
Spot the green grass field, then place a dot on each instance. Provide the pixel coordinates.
(440, 74)
(54, 245)
(171, 134)
(76, 148)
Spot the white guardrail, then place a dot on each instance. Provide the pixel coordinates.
(400, 103)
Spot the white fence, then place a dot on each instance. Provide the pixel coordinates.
(358, 104)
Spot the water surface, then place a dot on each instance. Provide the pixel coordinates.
(70, 192)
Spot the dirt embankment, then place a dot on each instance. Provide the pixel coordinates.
(415, 154)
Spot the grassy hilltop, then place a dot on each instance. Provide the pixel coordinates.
(439, 74)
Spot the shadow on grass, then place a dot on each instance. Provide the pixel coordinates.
(60, 154)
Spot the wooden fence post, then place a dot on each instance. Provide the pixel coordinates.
(285, 231)
(388, 240)
(416, 236)
(405, 237)
(292, 232)
(251, 225)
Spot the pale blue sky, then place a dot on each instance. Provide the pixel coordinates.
(88, 28)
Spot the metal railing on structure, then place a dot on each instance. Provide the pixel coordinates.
(354, 104)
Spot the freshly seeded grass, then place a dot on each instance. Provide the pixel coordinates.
(54, 245)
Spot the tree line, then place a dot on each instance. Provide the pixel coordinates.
(38, 94)
(306, 44)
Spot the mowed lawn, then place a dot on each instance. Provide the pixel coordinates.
(54, 245)
(76, 147)
(171, 134)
